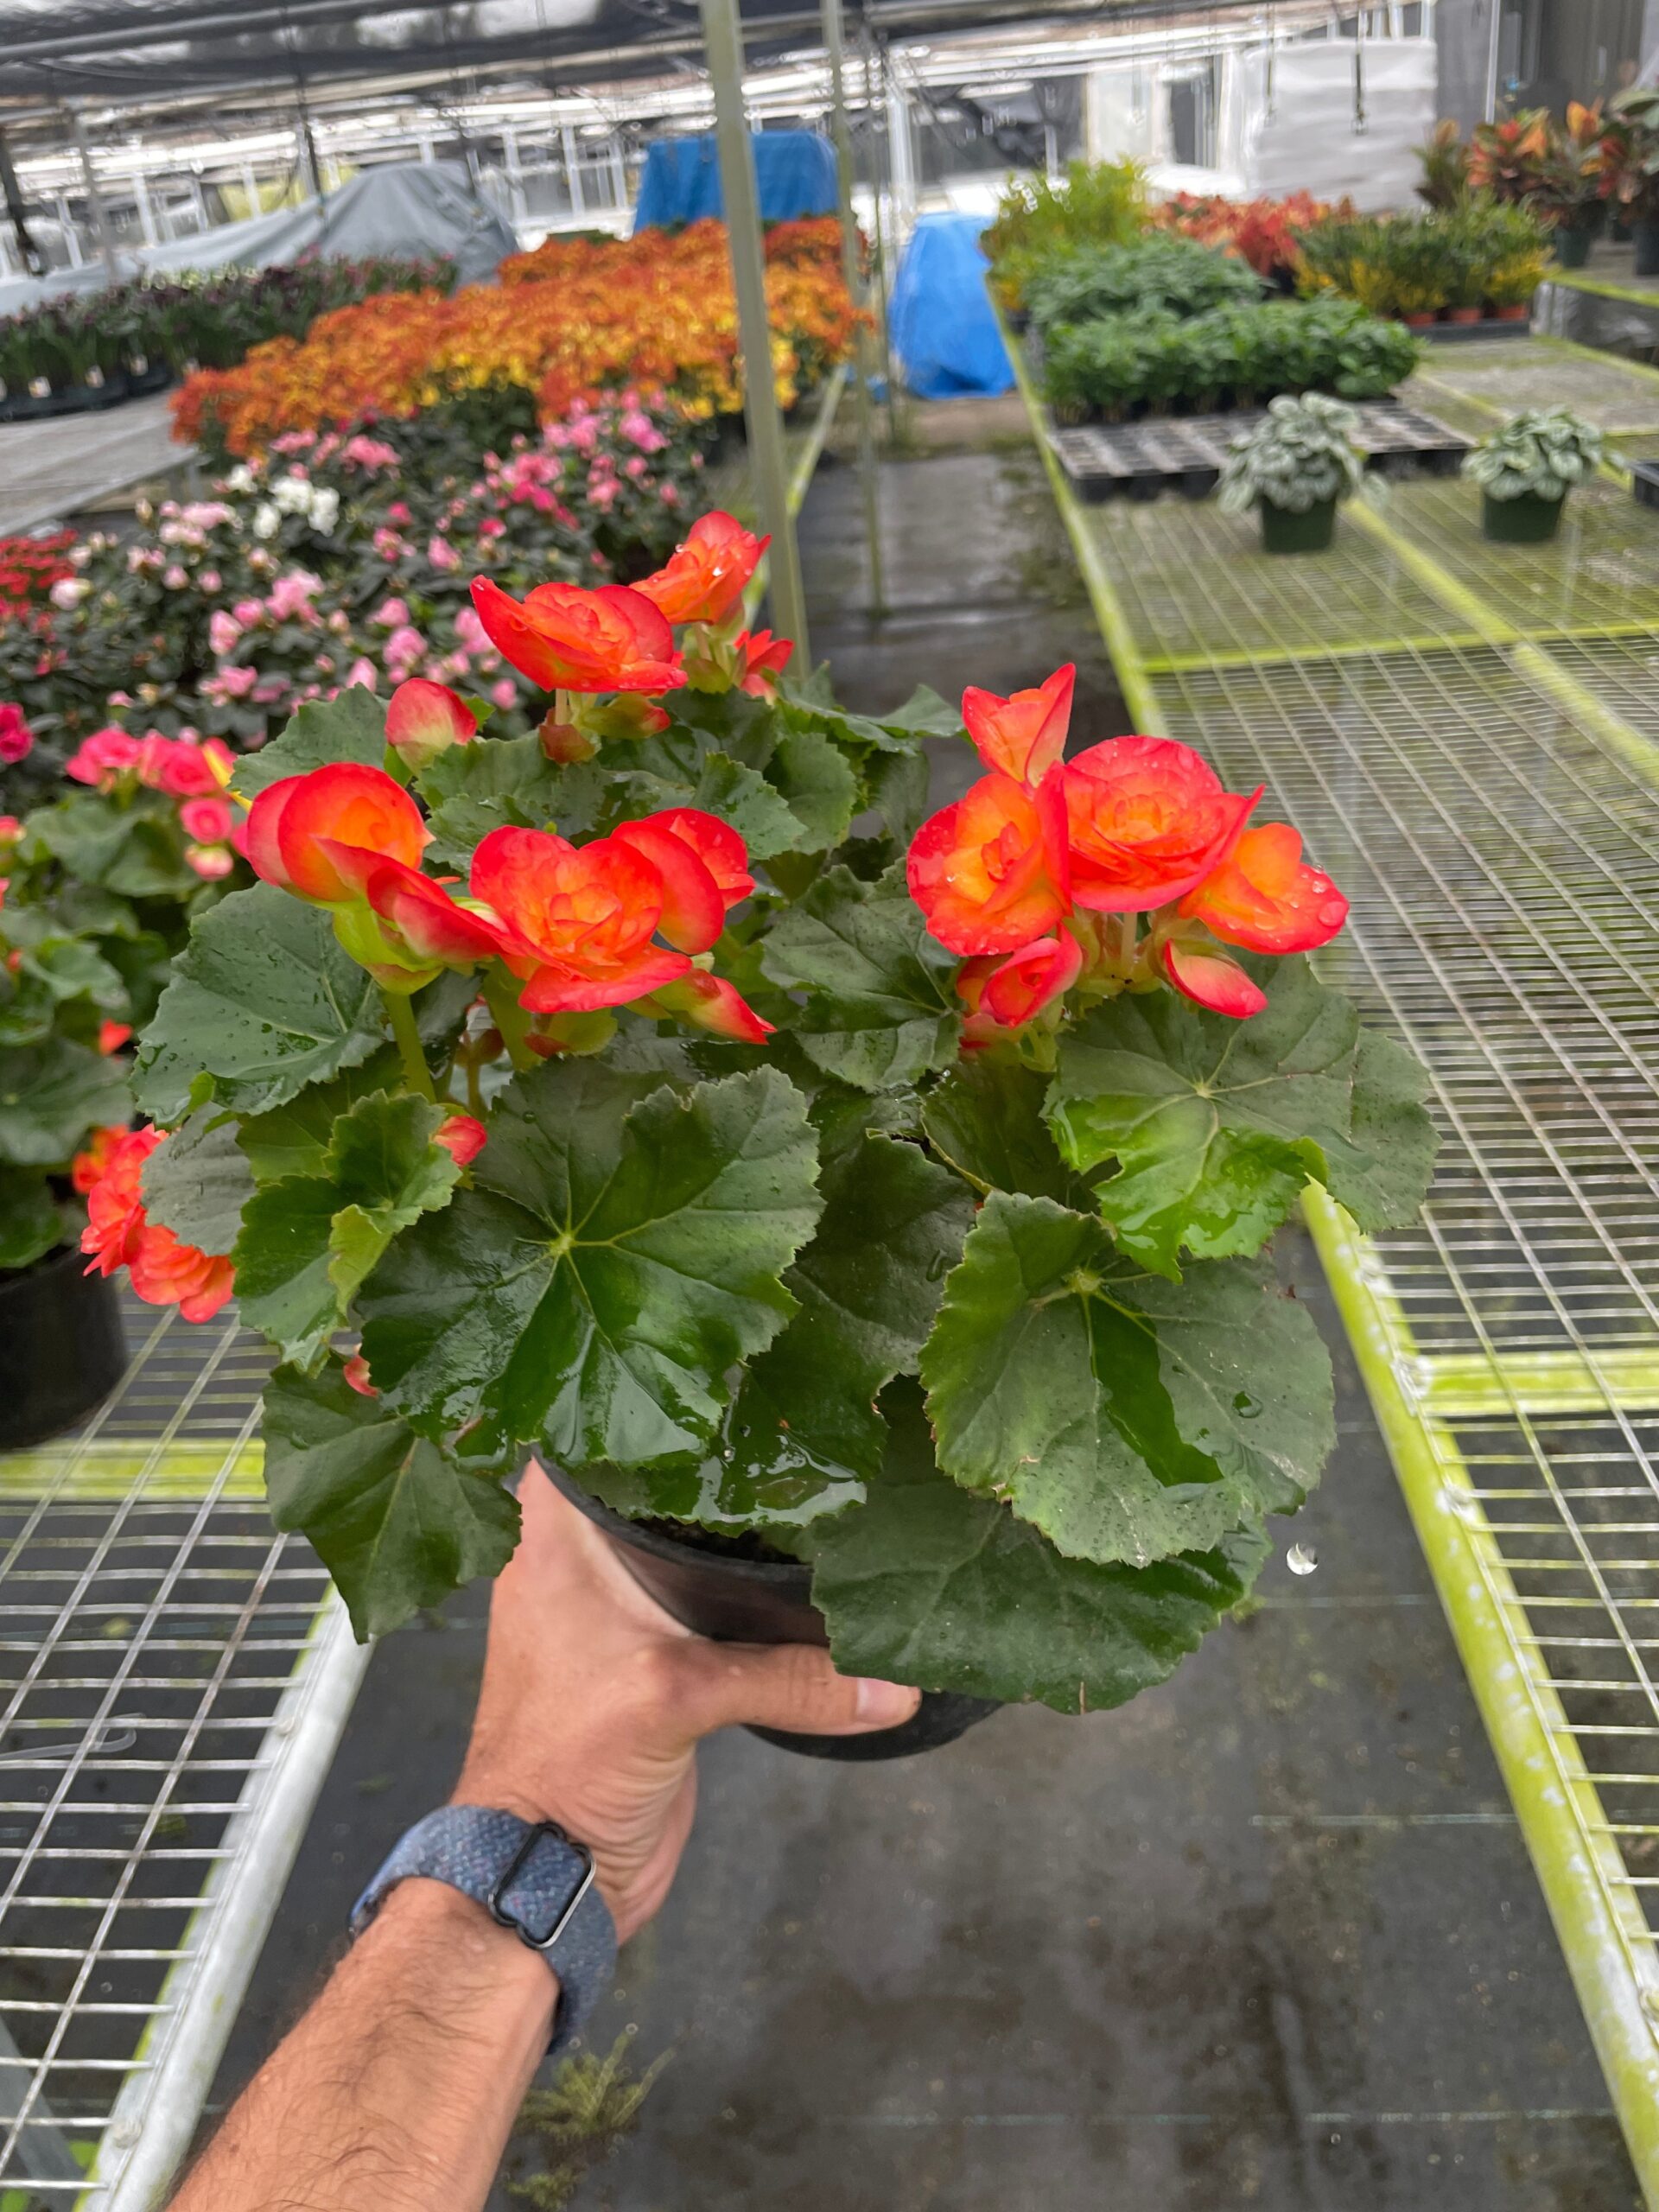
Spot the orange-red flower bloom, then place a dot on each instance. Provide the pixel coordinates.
(990, 872)
(710, 1002)
(319, 834)
(704, 868)
(164, 1271)
(424, 719)
(407, 927)
(1265, 897)
(1205, 973)
(1148, 820)
(567, 638)
(578, 922)
(463, 1136)
(764, 658)
(1024, 735)
(706, 577)
(1029, 980)
(91, 1164)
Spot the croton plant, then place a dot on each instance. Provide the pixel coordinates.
(661, 1095)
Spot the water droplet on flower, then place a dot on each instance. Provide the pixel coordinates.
(1332, 912)
(1245, 1406)
(1301, 1558)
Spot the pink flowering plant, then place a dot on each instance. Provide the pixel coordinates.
(667, 1093)
(335, 559)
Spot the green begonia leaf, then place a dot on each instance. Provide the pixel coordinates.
(810, 704)
(494, 783)
(1216, 1125)
(350, 726)
(30, 1223)
(718, 786)
(820, 788)
(198, 1181)
(803, 1434)
(265, 1001)
(1129, 1417)
(925, 1584)
(394, 1519)
(986, 1119)
(292, 1139)
(620, 1252)
(308, 1242)
(72, 969)
(51, 1094)
(881, 1008)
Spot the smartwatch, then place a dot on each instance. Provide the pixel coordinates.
(529, 1876)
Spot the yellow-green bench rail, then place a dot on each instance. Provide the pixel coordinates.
(1468, 737)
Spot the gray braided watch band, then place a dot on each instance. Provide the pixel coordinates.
(530, 1877)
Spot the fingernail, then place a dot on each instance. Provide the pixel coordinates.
(885, 1704)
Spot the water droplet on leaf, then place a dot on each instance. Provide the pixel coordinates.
(1301, 1558)
(1245, 1406)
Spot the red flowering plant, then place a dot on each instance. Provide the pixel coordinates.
(660, 1094)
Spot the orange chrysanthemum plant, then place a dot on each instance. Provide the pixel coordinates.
(660, 1094)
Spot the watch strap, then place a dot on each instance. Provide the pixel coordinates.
(529, 1877)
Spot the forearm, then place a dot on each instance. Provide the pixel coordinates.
(399, 2087)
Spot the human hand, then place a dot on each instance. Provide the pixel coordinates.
(594, 1699)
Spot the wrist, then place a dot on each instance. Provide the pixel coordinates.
(479, 1956)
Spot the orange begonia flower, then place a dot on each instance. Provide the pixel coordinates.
(1265, 897)
(1205, 973)
(463, 1136)
(407, 927)
(1029, 980)
(706, 577)
(578, 922)
(565, 639)
(164, 1271)
(710, 1002)
(1148, 820)
(990, 872)
(1023, 735)
(424, 719)
(362, 815)
(702, 864)
(764, 658)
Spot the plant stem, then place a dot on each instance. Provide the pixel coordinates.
(416, 1074)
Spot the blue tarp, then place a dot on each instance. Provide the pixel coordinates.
(794, 171)
(941, 323)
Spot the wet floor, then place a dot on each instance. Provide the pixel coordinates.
(1268, 1936)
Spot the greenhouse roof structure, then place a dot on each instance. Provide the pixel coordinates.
(133, 50)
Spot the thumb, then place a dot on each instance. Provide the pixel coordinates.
(789, 1685)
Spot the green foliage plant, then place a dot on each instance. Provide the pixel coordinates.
(1098, 203)
(1085, 284)
(819, 1237)
(1540, 454)
(1301, 454)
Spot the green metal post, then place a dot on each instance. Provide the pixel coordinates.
(869, 479)
(722, 36)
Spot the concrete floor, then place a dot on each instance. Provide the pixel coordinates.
(1267, 1936)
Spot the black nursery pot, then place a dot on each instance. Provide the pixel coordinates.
(61, 1350)
(737, 1600)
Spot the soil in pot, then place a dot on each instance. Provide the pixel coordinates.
(1647, 249)
(1284, 532)
(1526, 521)
(61, 1350)
(741, 1591)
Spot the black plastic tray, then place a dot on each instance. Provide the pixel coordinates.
(1184, 452)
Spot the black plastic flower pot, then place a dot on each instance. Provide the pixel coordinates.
(1284, 532)
(1526, 521)
(1647, 249)
(61, 1350)
(1572, 245)
(736, 1599)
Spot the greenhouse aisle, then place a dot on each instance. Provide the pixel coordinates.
(1268, 1936)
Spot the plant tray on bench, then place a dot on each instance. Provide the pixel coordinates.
(1186, 453)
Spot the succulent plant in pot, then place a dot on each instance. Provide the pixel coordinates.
(1526, 470)
(1297, 463)
(869, 1226)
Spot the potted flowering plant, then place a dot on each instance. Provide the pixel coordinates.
(1526, 469)
(863, 1215)
(61, 1082)
(1294, 466)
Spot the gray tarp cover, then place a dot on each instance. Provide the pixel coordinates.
(408, 207)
